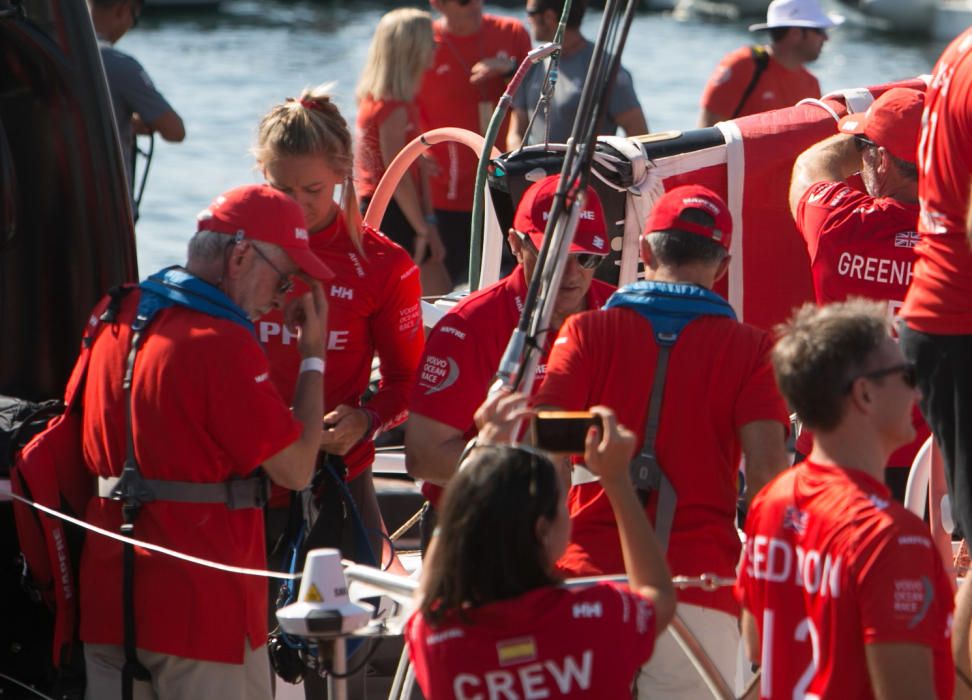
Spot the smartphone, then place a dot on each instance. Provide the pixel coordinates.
(563, 431)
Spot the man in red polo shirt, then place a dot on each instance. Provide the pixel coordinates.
(755, 79)
(844, 593)
(464, 349)
(203, 410)
(861, 243)
(475, 55)
(937, 331)
(716, 402)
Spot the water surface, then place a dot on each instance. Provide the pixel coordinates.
(223, 70)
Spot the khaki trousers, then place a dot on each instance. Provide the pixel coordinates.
(177, 678)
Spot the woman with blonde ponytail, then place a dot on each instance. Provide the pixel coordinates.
(304, 150)
(401, 50)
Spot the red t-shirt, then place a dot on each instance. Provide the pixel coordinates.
(203, 410)
(860, 246)
(447, 98)
(719, 379)
(369, 166)
(373, 306)
(831, 564)
(777, 87)
(548, 643)
(464, 349)
(940, 298)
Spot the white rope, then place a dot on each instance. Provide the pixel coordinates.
(4, 490)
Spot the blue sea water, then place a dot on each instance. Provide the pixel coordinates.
(223, 70)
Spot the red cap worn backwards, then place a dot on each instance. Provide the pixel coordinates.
(893, 121)
(667, 213)
(534, 208)
(261, 213)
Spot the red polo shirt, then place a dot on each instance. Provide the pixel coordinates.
(373, 307)
(548, 643)
(940, 299)
(203, 410)
(860, 246)
(831, 565)
(719, 379)
(777, 87)
(447, 98)
(369, 165)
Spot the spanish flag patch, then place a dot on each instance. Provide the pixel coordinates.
(516, 651)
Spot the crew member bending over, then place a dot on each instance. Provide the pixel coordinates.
(861, 242)
(491, 613)
(844, 593)
(202, 411)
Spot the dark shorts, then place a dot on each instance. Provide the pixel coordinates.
(944, 367)
(454, 232)
(395, 226)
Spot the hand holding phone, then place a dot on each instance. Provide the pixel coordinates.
(564, 431)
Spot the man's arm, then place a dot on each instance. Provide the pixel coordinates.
(900, 671)
(632, 122)
(169, 126)
(293, 466)
(764, 446)
(707, 118)
(834, 159)
(432, 449)
(518, 124)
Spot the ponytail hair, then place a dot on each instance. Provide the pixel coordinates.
(312, 125)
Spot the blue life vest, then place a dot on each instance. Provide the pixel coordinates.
(669, 306)
(175, 286)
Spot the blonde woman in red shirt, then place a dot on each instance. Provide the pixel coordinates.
(388, 119)
(304, 150)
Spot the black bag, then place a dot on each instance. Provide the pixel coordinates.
(20, 420)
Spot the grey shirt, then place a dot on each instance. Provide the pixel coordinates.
(132, 91)
(566, 97)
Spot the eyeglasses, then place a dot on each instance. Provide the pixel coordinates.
(285, 285)
(861, 142)
(816, 30)
(907, 371)
(534, 11)
(588, 261)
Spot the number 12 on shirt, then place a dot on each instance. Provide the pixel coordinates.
(803, 632)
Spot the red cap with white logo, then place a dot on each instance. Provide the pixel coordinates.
(667, 213)
(261, 213)
(534, 208)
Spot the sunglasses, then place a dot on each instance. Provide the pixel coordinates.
(861, 143)
(534, 11)
(907, 371)
(285, 285)
(588, 261)
(816, 30)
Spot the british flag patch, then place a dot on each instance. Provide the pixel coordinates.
(906, 239)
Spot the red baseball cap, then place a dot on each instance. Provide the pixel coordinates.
(261, 213)
(667, 213)
(893, 121)
(534, 208)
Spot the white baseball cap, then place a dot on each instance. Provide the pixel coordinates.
(797, 13)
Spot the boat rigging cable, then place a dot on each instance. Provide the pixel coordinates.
(549, 81)
(518, 367)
